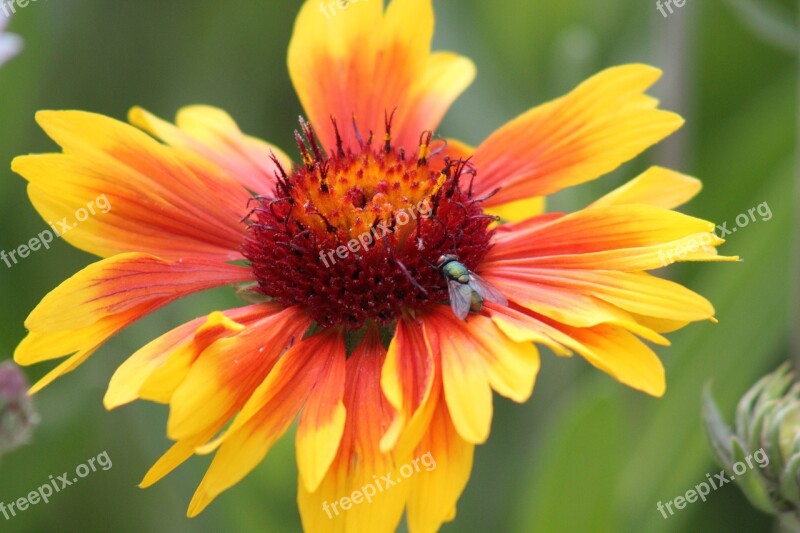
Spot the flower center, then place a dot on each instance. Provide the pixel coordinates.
(357, 236)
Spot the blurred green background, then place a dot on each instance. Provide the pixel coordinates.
(585, 454)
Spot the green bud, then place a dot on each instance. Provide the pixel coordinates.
(767, 427)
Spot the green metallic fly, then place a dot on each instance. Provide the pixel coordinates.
(467, 290)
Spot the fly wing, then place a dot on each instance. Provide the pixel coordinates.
(488, 291)
(460, 298)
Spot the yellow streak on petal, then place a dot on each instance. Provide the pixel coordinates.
(519, 210)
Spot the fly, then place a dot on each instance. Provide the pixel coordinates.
(467, 290)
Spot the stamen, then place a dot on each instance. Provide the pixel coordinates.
(424, 147)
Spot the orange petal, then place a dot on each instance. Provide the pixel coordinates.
(361, 62)
(621, 355)
(360, 468)
(157, 369)
(446, 461)
(451, 148)
(322, 422)
(465, 375)
(268, 414)
(511, 366)
(657, 186)
(213, 134)
(606, 121)
(612, 349)
(138, 194)
(619, 237)
(107, 296)
(521, 325)
(229, 370)
(636, 292)
(408, 380)
(445, 77)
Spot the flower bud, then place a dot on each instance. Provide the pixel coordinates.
(17, 413)
(767, 426)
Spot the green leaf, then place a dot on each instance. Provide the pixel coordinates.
(718, 432)
(768, 22)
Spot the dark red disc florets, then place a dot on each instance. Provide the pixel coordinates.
(357, 236)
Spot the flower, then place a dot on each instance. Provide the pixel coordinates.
(10, 44)
(17, 413)
(358, 337)
(767, 424)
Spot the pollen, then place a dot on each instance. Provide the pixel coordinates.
(356, 235)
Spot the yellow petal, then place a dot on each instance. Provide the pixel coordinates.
(464, 376)
(621, 355)
(519, 210)
(657, 186)
(447, 462)
(177, 455)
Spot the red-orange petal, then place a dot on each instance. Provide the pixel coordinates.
(606, 121)
(360, 466)
(365, 63)
(321, 425)
(107, 296)
(158, 368)
(408, 379)
(268, 414)
(241, 365)
(228, 371)
(138, 195)
(617, 237)
(211, 133)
